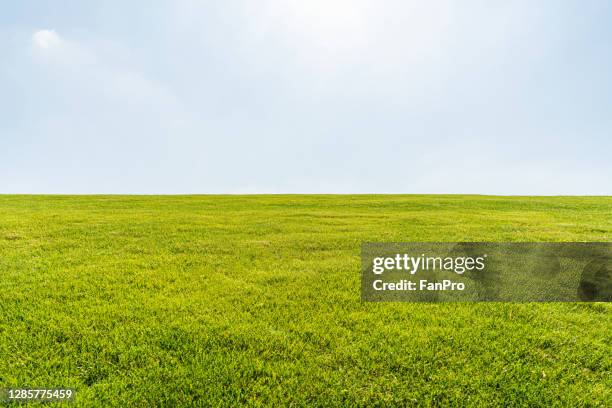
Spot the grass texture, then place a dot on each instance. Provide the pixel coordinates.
(254, 300)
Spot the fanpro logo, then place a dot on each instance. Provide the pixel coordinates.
(412, 264)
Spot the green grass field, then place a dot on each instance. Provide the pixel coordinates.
(229, 300)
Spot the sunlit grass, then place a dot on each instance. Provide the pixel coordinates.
(226, 300)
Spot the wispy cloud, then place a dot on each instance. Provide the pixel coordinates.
(46, 39)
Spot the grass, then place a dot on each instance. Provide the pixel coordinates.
(231, 300)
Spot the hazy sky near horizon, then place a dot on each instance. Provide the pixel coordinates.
(295, 96)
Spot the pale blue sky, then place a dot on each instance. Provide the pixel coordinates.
(294, 96)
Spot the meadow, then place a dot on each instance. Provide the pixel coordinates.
(255, 300)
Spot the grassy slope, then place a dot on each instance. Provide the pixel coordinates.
(225, 300)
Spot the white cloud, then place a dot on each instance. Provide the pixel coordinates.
(88, 70)
(46, 39)
(91, 93)
(49, 47)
